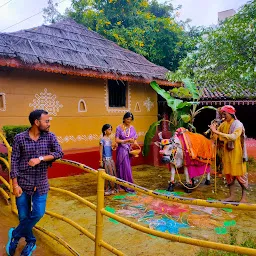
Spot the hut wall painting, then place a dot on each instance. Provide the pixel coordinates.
(78, 106)
(137, 107)
(47, 101)
(148, 104)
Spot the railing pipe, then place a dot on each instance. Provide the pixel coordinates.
(181, 239)
(99, 216)
(182, 200)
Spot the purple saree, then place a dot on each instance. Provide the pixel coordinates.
(123, 161)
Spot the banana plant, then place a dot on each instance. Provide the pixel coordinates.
(149, 136)
(182, 114)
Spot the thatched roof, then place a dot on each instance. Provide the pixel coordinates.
(70, 48)
(210, 93)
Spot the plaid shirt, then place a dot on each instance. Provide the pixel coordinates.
(24, 148)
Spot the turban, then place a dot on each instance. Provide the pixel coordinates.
(229, 109)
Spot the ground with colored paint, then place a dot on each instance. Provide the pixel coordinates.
(190, 221)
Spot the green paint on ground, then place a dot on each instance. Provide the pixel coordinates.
(113, 221)
(177, 193)
(221, 230)
(161, 191)
(153, 236)
(131, 194)
(118, 197)
(227, 209)
(112, 210)
(229, 223)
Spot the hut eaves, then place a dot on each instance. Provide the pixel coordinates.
(70, 48)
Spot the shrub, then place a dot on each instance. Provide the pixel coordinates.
(11, 130)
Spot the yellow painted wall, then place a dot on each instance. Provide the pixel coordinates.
(75, 130)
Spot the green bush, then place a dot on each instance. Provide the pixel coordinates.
(11, 130)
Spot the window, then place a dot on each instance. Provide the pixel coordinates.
(82, 106)
(117, 93)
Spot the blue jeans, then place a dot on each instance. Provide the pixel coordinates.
(31, 209)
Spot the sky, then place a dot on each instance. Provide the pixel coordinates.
(201, 12)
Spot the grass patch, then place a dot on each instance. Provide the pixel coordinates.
(251, 164)
(249, 241)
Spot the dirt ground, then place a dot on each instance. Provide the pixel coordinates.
(129, 241)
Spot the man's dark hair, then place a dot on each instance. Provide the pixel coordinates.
(36, 115)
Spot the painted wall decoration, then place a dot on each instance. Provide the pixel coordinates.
(137, 107)
(47, 101)
(82, 106)
(117, 110)
(2, 102)
(89, 137)
(148, 104)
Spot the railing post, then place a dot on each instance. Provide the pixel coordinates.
(13, 199)
(99, 216)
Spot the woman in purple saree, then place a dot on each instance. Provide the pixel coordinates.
(125, 137)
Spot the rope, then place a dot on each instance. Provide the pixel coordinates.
(215, 166)
(184, 185)
(176, 169)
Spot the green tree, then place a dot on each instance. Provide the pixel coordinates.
(183, 109)
(50, 13)
(225, 56)
(146, 27)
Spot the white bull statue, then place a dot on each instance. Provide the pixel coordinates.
(192, 151)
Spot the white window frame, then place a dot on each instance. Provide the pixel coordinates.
(85, 106)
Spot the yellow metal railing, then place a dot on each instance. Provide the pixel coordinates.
(100, 212)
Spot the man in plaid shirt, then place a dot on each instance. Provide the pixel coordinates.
(33, 152)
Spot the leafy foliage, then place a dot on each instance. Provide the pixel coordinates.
(149, 136)
(171, 101)
(183, 112)
(224, 56)
(145, 27)
(11, 130)
(50, 13)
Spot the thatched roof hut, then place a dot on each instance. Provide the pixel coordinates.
(70, 48)
(237, 96)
